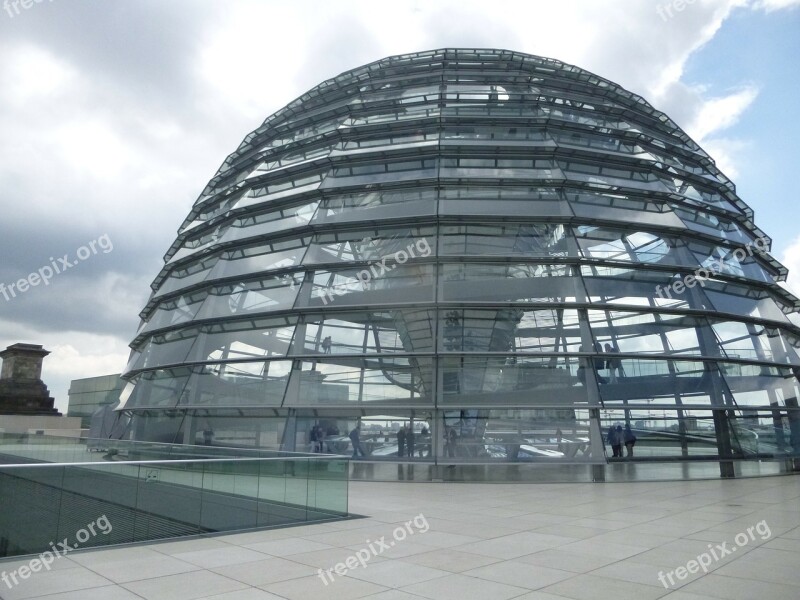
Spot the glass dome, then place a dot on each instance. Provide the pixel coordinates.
(479, 257)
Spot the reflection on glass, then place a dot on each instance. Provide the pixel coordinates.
(518, 435)
(509, 330)
(368, 332)
(514, 380)
(241, 384)
(329, 382)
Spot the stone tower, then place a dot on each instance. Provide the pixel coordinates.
(22, 391)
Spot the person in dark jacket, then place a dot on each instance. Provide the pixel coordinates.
(599, 364)
(613, 363)
(425, 446)
(629, 440)
(401, 441)
(355, 438)
(208, 435)
(614, 439)
(451, 441)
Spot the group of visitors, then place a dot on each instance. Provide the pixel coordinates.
(406, 441)
(407, 444)
(617, 437)
(612, 365)
(318, 435)
(316, 438)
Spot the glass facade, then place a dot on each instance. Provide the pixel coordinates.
(87, 395)
(475, 256)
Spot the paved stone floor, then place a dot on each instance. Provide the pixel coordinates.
(475, 541)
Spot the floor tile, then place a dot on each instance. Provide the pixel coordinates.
(521, 575)
(218, 557)
(735, 588)
(53, 582)
(268, 570)
(309, 588)
(462, 587)
(448, 559)
(287, 547)
(186, 586)
(589, 587)
(248, 594)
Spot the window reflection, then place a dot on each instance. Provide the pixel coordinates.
(534, 239)
(509, 330)
(486, 282)
(388, 331)
(531, 435)
(343, 381)
(516, 380)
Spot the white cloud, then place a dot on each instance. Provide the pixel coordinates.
(790, 258)
(91, 147)
(717, 114)
(726, 153)
(247, 63)
(31, 74)
(772, 5)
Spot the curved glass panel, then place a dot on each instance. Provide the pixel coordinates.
(534, 239)
(509, 330)
(236, 340)
(166, 349)
(759, 385)
(381, 245)
(379, 204)
(161, 388)
(651, 333)
(347, 381)
(369, 286)
(251, 297)
(239, 384)
(258, 259)
(368, 332)
(657, 383)
(513, 282)
(512, 380)
(270, 222)
(623, 208)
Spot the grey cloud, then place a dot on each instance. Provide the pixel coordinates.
(147, 46)
(464, 26)
(336, 46)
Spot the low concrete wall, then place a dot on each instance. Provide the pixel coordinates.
(35, 423)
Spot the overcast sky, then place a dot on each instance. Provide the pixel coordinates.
(114, 114)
